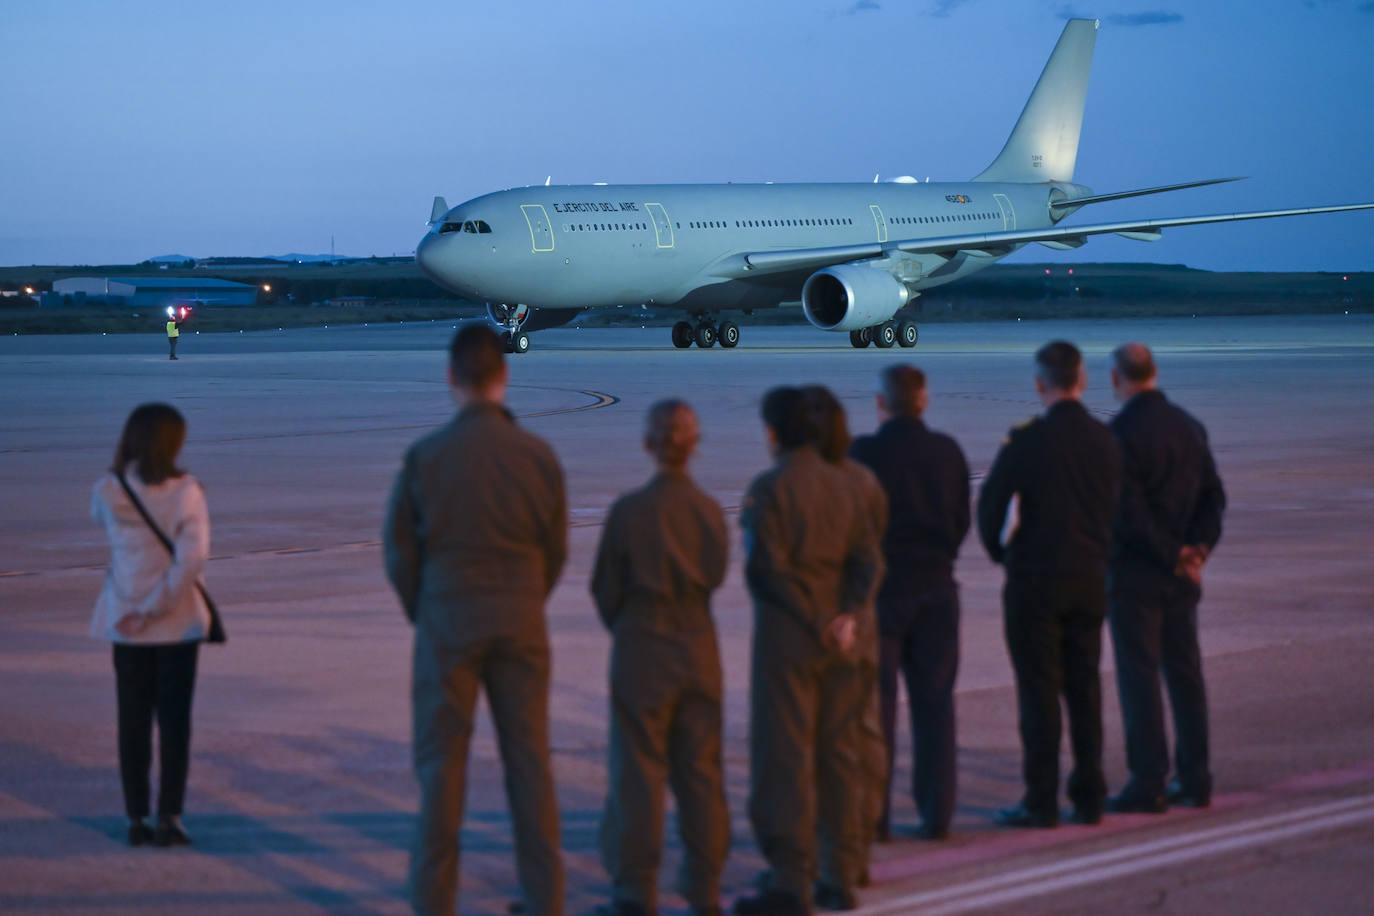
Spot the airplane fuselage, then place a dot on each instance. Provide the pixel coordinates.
(682, 245)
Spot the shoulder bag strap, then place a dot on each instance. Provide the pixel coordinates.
(216, 633)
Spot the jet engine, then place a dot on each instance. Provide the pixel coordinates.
(849, 297)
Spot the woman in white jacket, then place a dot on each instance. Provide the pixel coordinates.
(153, 612)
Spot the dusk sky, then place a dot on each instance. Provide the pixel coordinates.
(139, 129)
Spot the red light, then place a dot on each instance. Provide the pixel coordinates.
(1047, 270)
(1070, 270)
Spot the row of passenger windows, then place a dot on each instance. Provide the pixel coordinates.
(742, 224)
(956, 217)
(472, 225)
(769, 223)
(603, 227)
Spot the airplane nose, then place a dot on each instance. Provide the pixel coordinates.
(429, 255)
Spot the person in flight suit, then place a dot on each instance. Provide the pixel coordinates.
(925, 479)
(841, 856)
(663, 552)
(475, 536)
(811, 566)
(1065, 470)
(1167, 524)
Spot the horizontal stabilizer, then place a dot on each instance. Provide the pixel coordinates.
(1057, 207)
(437, 211)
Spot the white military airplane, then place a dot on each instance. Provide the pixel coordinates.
(853, 254)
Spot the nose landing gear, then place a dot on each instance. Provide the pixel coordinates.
(510, 319)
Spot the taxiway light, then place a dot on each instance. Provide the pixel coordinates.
(28, 290)
(267, 287)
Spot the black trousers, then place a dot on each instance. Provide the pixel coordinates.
(920, 641)
(155, 679)
(1154, 630)
(1054, 635)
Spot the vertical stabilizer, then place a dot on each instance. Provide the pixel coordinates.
(1044, 144)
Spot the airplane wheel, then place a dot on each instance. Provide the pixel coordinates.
(520, 342)
(885, 335)
(907, 335)
(728, 332)
(860, 338)
(705, 336)
(682, 335)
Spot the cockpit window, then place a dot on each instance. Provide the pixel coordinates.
(474, 226)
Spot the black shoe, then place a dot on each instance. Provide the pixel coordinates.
(171, 833)
(140, 834)
(1082, 814)
(770, 903)
(1129, 802)
(621, 908)
(834, 897)
(711, 910)
(927, 831)
(1186, 798)
(1021, 816)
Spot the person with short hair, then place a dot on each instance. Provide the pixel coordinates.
(662, 552)
(475, 537)
(152, 611)
(842, 856)
(811, 565)
(1064, 470)
(925, 479)
(1167, 525)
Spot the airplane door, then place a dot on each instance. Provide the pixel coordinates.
(663, 227)
(880, 221)
(541, 232)
(1008, 214)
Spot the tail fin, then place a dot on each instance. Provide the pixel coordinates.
(1044, 144)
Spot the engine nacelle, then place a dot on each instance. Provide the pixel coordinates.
(852, 296)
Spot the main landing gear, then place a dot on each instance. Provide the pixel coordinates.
(885, 336)
(705, 334)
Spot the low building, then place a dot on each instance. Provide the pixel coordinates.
(157, 292)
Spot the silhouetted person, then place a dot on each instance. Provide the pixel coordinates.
(153, 612)
(845, 856)
(1065, 471)
(662, 553)
(811, 567)
(925, 478)
(1167, 523)
(475, 536)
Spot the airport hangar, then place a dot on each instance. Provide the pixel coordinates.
(156, 292)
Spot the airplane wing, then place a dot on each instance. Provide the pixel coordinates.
(991, 244)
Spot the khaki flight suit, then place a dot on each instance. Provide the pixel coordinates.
(663, 551)
(811, 556)
(868, 495)
(475, 537)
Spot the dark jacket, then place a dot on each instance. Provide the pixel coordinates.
(1066, 469)
(1171, 495)
(925, 477)
(476, 530)
(811, 554)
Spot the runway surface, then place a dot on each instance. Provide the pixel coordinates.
(301, 796)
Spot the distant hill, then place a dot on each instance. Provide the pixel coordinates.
(171, 259)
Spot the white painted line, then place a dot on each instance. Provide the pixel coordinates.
(1104, 866)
